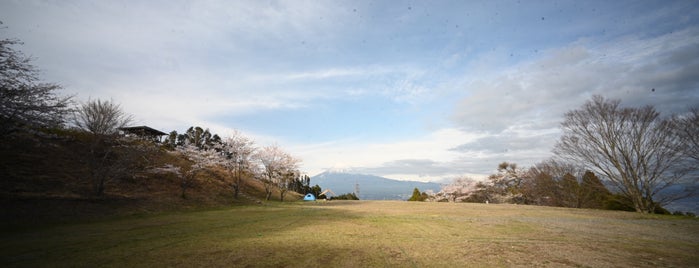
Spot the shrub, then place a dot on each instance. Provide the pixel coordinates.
(347, 196)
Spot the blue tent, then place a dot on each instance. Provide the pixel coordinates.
(309, 197)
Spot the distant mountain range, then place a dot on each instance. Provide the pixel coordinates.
(370, 187)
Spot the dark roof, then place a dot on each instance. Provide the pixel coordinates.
(143, 130)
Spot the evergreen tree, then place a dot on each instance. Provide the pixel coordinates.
(570, 190)
(417, 196)
(592, 191)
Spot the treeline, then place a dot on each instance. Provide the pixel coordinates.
(237, 154)
(548, 183)
(32, 107)
(608, 157)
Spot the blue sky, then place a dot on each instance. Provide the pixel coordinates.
(423, 90)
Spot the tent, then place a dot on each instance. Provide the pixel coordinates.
(309, 197)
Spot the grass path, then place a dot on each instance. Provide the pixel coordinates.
(363, 234)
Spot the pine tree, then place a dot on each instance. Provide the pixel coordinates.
(417, 196)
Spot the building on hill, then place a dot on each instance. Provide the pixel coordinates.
(143, 132)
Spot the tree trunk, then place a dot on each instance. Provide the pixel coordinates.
(184, 185)
(100, 187)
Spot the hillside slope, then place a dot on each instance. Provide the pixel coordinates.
(47, 177)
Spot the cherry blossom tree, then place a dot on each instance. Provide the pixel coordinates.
(238, 151)
(457, 191)
(278, 167)
(201, 159)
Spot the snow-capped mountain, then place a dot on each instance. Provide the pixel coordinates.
(370, 187)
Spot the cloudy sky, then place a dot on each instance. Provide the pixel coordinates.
(421, 90)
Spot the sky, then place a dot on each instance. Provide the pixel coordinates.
(418, 90)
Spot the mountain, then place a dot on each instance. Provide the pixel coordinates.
(370, 187)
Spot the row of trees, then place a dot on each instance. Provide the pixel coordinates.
(639, 154)
(29, 105)
(548, 183)
(271, 165)
(194, 136)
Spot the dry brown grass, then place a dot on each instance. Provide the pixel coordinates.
(46, 179)
(365, 234)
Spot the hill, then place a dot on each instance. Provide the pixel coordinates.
(370, 187)
(46, 177)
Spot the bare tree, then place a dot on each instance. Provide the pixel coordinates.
(24, 100)
(101, 117)
(686, 128)
(630, 146)
(108, 157)
(276, 164)
(112, 159)
(238, 151)
(284, 180)
(553, 183)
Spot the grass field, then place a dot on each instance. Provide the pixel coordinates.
(362, 234)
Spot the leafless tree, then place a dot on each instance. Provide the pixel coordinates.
(238, 151)
(107, 158)
(24, 100)
(686, 128)
(101, 117)
(284, 180)
(553, 183)
(112, 159)
(630, 146)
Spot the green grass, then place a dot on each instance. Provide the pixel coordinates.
(362, 234)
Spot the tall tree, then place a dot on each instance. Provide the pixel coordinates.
(630, 146)
(418, 196)
(685, 128)
(25, 101)
(238, 151)
(171, 140)
(570, 191)
(101, 117)
(285, 181)
(507, 183)
(276, 165)
(200, 159)
(593, 193)
(541, 186)
(199, 137)
(107, 156)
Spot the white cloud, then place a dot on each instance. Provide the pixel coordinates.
(540, 91)
(177, 64)
(360, 156)
(522, 106)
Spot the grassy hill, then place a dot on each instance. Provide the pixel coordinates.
(45, 177)
(363, 234)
